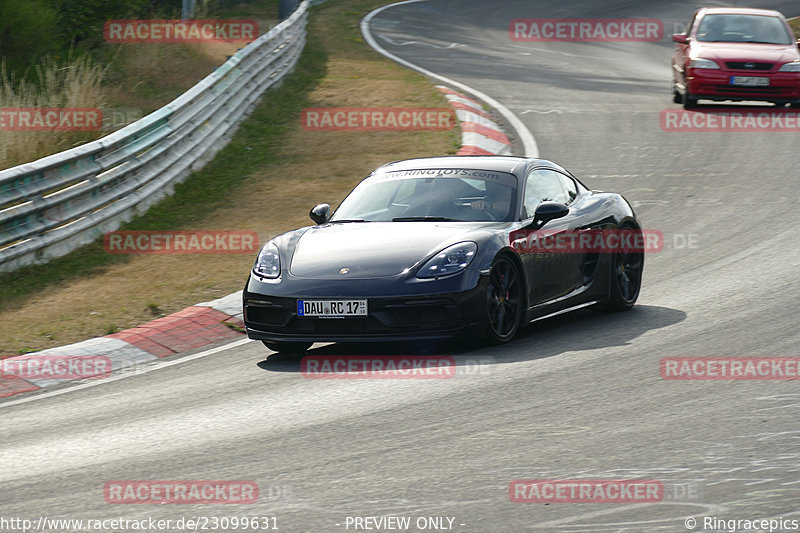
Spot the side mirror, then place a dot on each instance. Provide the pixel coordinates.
(320, 214)
(680, 38)
(547, 211)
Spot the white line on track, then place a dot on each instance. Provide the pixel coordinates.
(421, 43)
(531, 149)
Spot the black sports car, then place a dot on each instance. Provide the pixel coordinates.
(438, 248)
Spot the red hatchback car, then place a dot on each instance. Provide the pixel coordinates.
(736, 54)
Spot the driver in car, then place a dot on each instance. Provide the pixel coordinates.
(496, 205)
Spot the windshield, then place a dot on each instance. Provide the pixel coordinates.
(743, 29)
(431, 195)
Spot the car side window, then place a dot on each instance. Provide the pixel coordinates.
(688, 30)
(569, 187)
(543, 185)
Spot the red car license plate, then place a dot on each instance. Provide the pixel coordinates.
(749, 81)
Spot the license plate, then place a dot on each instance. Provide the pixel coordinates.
(331, 308)
(749, 81)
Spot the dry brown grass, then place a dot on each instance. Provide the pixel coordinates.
(76, 84)
(314, 167)
(795, 24)
(148, 76)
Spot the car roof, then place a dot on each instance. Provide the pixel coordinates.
(510, 164)
(738, 11)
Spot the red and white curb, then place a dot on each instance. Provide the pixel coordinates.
(194, 327)
(480, 134)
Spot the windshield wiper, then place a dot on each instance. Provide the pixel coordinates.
(425, 219)
(348, 220)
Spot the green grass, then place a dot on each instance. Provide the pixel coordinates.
(256, 144)
(265, 9)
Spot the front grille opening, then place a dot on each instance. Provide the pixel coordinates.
(749, 65)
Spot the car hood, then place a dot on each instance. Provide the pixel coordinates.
(765, 53)
(372, 249)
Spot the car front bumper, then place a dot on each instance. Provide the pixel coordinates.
(712, 84)
(413, 315)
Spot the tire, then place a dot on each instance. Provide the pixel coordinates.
(504, 301)
(689, 101)
(676, 96)
(626, 278)
(288, 347)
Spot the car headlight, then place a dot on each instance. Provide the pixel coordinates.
(452, 259)
(794, 66)
(268, 264)
(703, 63)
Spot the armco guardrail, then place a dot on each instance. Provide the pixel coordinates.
(51, 206)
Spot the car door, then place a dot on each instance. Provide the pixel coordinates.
(552, 272)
